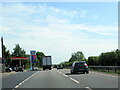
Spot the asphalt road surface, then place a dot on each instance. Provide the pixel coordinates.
(59, 79)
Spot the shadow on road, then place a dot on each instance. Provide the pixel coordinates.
(34, 70)
(74, 74)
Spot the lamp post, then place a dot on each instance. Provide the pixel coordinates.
(3, 62)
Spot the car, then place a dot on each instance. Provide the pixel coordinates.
(14, 68)
(59, 67)
(79, 66)
(7, 69)
(33, 68)
(19, 69)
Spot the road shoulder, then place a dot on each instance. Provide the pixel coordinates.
(105, 73)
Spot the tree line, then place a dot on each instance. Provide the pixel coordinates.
(76, 56)
(19, 52)
(104, 59)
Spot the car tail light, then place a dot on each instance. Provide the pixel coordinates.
(86, 65)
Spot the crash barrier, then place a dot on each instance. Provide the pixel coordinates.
(105, 68)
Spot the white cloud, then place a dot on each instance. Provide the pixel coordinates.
(103, 30)
(41, 27)
(100, 29)
(52, 19)
(5, 30)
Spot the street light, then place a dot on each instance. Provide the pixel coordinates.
(2, 48)
(3, 62)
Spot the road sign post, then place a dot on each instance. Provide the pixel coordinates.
(32, 58)
(30, 63)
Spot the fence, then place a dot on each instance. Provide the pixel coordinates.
(105, 68)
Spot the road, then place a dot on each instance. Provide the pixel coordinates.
(60, 79)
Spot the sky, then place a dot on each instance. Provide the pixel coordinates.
(60, 28)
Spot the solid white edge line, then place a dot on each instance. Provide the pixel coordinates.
(25, 80)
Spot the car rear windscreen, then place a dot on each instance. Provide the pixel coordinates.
(80, 64)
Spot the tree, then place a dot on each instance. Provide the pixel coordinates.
(73, 58)
(118, 57)
(18, 52)
(93, 60)
(79, 56)
(39, 57)
(108, 59)
(66, 64)
(7, 56)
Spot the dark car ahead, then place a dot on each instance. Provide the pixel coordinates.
(34, 68)
(79, 66)
(7, 69)
(19, 69)
(59, 67)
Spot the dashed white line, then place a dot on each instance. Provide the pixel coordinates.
(17, 86)
(88, 88)
(64, 75)
(68, 77)
(25, 80)
(60, 72)
(74, 80)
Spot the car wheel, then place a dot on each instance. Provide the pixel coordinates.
(83, 72)
(72, 72)
(87, 72)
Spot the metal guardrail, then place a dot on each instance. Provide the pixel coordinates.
(106, 68)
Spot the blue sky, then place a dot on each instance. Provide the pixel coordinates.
(60, 28)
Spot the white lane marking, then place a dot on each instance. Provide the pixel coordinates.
(68, 77)
(25, 80)
(17, 86)
(104, 74)
(88, 88)
(74, 80)
(64, 75)
(59, 72)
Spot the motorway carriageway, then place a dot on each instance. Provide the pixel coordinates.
(59, 79)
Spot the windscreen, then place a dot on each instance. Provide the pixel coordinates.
(80, 64)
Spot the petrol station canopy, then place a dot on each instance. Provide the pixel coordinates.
(20, 58)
